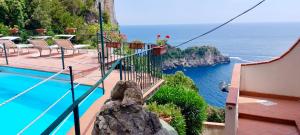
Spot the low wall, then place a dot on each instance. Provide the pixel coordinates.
(213, 128)
(279, 76)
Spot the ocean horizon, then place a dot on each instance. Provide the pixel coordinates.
(242, 42)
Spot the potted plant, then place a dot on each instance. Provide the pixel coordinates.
(115, 39)
(14, 30)
(113, 44)
(41, 31)
(136, 45)
(161, 47)
(70, 30)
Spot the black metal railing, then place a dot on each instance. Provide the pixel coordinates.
(75, 104)
(113, 51)
(142, 67)
(5, 53)
(137, 61)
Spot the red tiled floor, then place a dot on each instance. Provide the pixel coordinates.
(282, 109)
(254, 127)
(263, 116)
(53, 63)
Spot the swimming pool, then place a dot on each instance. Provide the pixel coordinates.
(20, 112)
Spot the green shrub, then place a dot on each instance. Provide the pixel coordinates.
(4, 29)
(179, 79)
(215, 114)
(25, 35)
(170, 110)
(106, 17)
(193, 106)
(196, 51)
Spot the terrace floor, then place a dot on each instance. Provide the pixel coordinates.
(83, 62)
(268, 116)
(86, 70)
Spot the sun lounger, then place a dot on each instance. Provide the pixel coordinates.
(11, 45)
(11, 38)
(67, 44)
(62, 36)
(41, 45)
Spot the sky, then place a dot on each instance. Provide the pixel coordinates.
(160, 12)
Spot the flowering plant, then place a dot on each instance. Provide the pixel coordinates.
(14, 30)
(114, 36)
(162, 42)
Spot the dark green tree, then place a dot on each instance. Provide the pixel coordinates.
(12, 12)
(3, 11)
(41, 14)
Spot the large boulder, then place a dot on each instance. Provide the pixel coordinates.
(168, 128)
(124, 114)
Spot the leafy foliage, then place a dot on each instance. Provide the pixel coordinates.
(193, 106)
(200, 51)
(4, 29)
(106, 17)
(197, 51)
(50, 14)
(53, 15)
(215, 114)
(12, 12)
(179, 79)
(170, 110)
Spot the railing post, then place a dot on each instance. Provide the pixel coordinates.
(101, 35)
(121, 73)
(148, 59)
(98, 49)
(62, 57)
(75, 110)
(161, 65)
(5, 53)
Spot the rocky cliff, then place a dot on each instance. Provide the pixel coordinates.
(109, 7)
(194, 56)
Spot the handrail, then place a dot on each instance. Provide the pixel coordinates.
(78, 101)
(143, 51)
(44, 112)
(58, 128)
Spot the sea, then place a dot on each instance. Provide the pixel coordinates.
(242, 42)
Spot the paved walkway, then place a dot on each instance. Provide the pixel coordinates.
(86, 61)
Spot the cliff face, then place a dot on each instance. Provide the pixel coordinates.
(109, 7)
(194, 56)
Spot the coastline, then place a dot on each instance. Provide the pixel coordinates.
(193, 63)
(194, 57)
(207, 79)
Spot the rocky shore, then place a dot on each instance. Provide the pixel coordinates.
(193, 57)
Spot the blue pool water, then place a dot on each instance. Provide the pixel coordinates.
(21, 111)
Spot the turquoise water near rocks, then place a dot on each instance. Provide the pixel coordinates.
(242, 42)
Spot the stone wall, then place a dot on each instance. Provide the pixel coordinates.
(212, 128)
